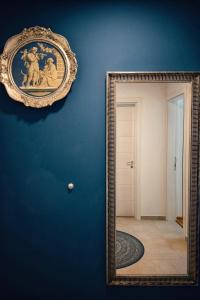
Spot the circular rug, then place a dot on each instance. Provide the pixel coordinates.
(128, 249)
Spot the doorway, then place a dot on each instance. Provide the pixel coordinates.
(175, 112)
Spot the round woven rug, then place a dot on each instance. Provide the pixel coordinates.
(128, 249)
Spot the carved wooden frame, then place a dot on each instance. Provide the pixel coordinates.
(37, 34)
(192, 277)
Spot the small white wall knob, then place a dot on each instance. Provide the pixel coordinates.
(70, 186)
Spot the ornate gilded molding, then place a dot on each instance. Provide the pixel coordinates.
(191, 278)
(37, 67)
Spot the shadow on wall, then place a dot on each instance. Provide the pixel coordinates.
(27, 114)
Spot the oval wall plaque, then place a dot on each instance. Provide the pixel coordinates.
(37, 67)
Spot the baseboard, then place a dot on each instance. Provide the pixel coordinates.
(163, 218)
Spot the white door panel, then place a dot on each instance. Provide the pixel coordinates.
(122, 159)
(124, 115)
(125, 209)
(124, 192)
(124, 128)
(125, 164)
(124, 176)
(124, 144)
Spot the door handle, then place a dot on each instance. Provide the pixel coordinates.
(130, 163)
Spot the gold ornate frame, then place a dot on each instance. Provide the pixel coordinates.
(37, 34)
(192, 277)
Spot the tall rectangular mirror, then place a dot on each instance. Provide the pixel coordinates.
(152, 178)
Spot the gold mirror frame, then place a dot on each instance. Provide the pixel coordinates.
(123, 77)
(13, 45)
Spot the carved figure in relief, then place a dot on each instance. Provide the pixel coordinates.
(49, 74)
(31, 62)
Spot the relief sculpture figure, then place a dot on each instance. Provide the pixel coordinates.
(31, 62)
(49, 74)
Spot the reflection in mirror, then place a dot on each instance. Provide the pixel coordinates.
(152, 177)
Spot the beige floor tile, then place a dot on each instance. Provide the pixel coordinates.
(165, 247)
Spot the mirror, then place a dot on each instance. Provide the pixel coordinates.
(152, 178)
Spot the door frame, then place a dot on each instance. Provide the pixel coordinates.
(187, 94)
(137, 103)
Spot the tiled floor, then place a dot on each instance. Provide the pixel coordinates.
(165, 247)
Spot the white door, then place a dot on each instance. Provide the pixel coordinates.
(125, 164)
(175, 157)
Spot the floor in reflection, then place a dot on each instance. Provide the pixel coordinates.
(165, 247)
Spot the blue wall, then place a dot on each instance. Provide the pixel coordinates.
(53, 242)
